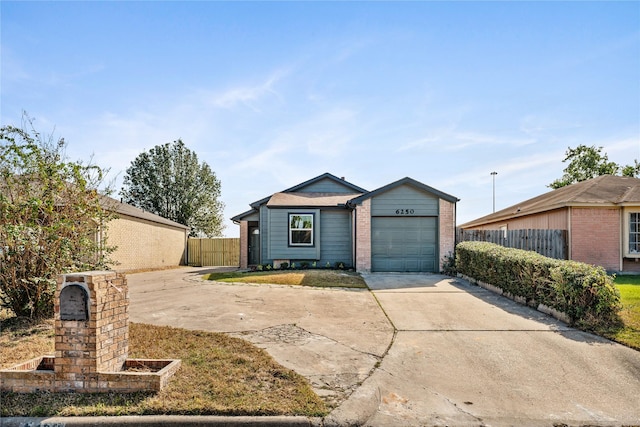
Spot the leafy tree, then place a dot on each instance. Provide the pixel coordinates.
(52, 219)
(632, 170)
(169, 181)
(589, 162)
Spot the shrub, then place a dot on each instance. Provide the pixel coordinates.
(449, 265)
(50, 213)
(284, 265)
(584, 292)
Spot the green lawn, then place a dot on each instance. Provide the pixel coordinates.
(629, 333)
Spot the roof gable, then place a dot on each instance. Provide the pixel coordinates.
(404, 181)
(605, 190)
(328, 189)
(326, 181)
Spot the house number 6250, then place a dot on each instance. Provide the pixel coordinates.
(404, 211)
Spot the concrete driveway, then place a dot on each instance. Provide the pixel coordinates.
(415, 350)
(333, 337)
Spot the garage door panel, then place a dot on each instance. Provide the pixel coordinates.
(414, 250)
(404, 244)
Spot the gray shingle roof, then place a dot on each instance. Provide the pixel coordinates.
(118, 207)
(605, 190)
(310, 199)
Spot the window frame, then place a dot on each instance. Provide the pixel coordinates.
(290, 230)
(627, 233)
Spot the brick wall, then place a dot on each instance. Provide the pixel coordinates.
(144, 244)
(595, 236)
(363, 236)
(244, 244)
(447, 227)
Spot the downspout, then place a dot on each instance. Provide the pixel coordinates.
(569, 233)
(622, 233)
(354, 234)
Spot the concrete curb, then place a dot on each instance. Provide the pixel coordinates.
(162, 420)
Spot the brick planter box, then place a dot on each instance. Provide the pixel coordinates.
(91, 343)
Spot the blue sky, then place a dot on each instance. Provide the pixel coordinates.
(271, 94)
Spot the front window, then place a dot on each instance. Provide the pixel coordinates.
(634, 233)
(301, 229)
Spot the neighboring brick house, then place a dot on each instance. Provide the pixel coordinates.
(601, 216)
(144, 240)
(403, 226)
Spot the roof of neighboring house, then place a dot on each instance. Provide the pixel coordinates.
(605, 190)
(404, 181)
(309, 199)
(118, 207)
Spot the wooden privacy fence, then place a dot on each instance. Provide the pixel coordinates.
(550, 243)
(213, 252)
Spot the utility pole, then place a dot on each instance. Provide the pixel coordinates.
(493, 174)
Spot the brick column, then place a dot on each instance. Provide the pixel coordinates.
(244, 244)
(447, 229)
(93, 341)
(363, 236)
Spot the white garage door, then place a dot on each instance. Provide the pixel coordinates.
(404, 244)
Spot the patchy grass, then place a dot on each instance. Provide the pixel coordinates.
(219, 375)
(316, 278)
(629, 332)
(22, 339)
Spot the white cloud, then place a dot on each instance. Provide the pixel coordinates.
(248, 95)
(452, 139)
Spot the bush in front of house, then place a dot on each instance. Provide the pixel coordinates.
(585, 293)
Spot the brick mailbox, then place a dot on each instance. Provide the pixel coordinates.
(91, 343)
(92, 324)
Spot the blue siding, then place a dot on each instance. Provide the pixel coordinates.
(278, 241)
(264, 234)
(332, 238)
(336, 237)
(326, 186)
(404, 201)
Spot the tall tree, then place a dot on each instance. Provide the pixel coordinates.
(52, 219)
(169, 181)
(589, 162)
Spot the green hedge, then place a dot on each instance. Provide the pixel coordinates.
(583, 292)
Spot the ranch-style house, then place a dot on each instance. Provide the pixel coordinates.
(405, 226)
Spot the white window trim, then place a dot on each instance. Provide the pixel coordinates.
(627, 231)
(290, 229)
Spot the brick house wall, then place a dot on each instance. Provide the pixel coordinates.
(595, 236)
(143, 244)
(447, 229)
(244, 244)
(363, 236)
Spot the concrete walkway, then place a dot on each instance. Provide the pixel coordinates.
(415, 350)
